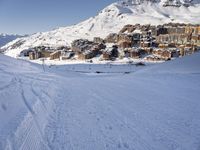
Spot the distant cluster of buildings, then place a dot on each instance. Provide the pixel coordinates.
(153, 43)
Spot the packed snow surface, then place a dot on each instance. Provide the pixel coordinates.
(110, 20)
(61, 108)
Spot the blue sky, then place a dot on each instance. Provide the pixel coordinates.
(30, 16)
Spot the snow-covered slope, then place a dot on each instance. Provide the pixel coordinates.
(111, 19)
(156, 108)
(5, 38)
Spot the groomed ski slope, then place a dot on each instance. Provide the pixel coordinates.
(155, 108)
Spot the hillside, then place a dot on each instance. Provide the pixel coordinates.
(5, 38)
(112, 19)
(152, 109)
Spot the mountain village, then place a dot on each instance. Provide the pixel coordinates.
(146, 42)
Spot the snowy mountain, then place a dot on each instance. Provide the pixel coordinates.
(5, 38)
(156, 108)
(112, 19)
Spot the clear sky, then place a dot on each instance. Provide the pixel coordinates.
(30, 16)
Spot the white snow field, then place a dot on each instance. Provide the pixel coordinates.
(110, 20)
(152, 108)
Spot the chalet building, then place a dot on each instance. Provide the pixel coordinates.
(172, 45)
(55, 55)
(174, 24)
(174, 52)
(144, 28)
(147, 50)
(190, 49)
(112, 38)
(136, 39)
(65, 55)
(163, 54)
(145, 44)
(153, 30)
(136, 36)
(86, 49)
(135, 53)
(126, 53)
(182, 50)
(187, 49)
(128, 29)
(195, 48)
(115, 38)
(152, 58)
(173, 38)
(63, 48)
(192, 29)
(25, 53)
(106, 55)
(34, 55)
(195, 39)
(166, 55)
(125, 37)
(110, 53)
(161, 30)
(46, 53)
(175, 30)
(157, 52)
(96, 48)
(124, 44)
(88, 54)
(81, 45)
(163, 46)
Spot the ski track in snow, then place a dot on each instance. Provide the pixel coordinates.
(29, 129)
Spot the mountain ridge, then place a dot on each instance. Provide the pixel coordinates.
(6, 38)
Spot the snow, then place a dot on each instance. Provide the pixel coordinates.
(154, 107)
(110, 20)
(5, 38)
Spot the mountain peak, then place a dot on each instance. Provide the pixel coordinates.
(165, 3)
(135, 2)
